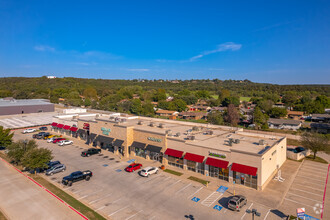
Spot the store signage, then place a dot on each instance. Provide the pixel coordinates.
(105, 131)
(154, 139)
(301, 213)
(217, 155)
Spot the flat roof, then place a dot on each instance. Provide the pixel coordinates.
(23, 102)
(218, 140)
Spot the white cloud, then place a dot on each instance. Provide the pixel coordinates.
(221, 47)
(44, 48)
(138, 70)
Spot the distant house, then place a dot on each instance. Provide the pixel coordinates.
(220, 109)
(321, 118)
(169, 99)
(295, 115)
(136, 96)
(284, 124)
(279, 105)
(323, 128)
(193, 115)
(199, 108)
(201, 102)
(166, 113)
(247, 114)
(51, 77)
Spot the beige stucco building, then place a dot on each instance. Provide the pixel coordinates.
(227, 153)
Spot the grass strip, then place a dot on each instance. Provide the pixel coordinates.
(85, 210)
(317, 159)
(173, 172)
(2, 216)
(204, 182)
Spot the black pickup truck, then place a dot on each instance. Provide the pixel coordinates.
(90, 151)
(77, 176)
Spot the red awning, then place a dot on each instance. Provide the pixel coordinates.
(194, 157)
(54, 124)
(74, 129)
(173, 153)
(244, 169)
(60, 125)
(217, 163)
(66, 127)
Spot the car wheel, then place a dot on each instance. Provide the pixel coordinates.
(51, 174)
(63, 170)
(70, 183)
(88, 178)
(88, 155)
(156, 171)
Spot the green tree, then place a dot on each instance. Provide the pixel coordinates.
(290, 98)
(136, 107)
(178, 105)
(231, 100)
(259, 118)
(202, 94)
(163, 104)
(5, 137)
(159, 95)
(323, 100)
(265, 104)
(184, 92)
(90, 93)
(315, 142)
(190, 99)
(148, 109)
(277, 112)
(87, 102)
(16, 150)
(215, 117)
(223, 93)
(37, 158)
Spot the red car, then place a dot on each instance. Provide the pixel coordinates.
(132, 167)
(58, 139)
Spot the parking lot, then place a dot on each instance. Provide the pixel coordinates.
(307, 189)
(117, 194)
(27, 120)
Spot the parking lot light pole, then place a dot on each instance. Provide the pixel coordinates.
(254, 212)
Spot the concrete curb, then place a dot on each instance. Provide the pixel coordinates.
(84, 217)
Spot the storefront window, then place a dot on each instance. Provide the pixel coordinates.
(175, 161)
(245, 179)
(191, 165)
(220, 173)
(140, 152)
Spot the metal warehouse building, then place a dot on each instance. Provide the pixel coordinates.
(10, 106)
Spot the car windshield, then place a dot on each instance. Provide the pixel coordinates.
(144, 171)
(232, 202)
(130, 166)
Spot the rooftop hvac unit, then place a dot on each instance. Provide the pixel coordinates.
(261, 142)
(151, 124)
(178, 134)
(123, 120)
(116, 119)
(168, 132)
(161, 125)
(191, 137)
(111, 117)
(139, 122)
(195, 128)
(230, 142)
(237, 141)
(209, 133)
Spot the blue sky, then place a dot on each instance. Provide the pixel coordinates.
(283, 42)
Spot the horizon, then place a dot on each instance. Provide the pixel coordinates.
(285, 43)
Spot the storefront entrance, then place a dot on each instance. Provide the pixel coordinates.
(220, 173)
(245, 179)
(175, 161)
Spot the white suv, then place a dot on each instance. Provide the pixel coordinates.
(148, 170)
(29, 130)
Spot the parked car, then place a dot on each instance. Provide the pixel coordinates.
(43, 128)
(132, 167)
(55, 169)
(34, 135)
(53, 163)
(90, 151)
(41, 135)
(237, 202)
(65, 142)
(77, 176)
(49, 137)
(148, 170)
(29, 130)
(58, 140)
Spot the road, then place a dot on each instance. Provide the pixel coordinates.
(20, 198)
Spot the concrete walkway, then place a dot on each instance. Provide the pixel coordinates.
(20, 198)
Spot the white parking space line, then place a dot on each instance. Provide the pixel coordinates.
(245, 212)
(151, 179)
(90, 194)
(308, 192)
(304, 197)
(117, 211)
(267, 214)
(211, 199)
(309, 187)
(185, 187)
(117, 200)
(195, 192)
(312, 179)
(298, 202)
(134, 215)
(102, 207)
(317, 171)
(96, 200)
(309, 183)
(173, 184)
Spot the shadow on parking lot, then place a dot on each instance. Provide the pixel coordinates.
(224, 201)
(191, 217)
(278, 213)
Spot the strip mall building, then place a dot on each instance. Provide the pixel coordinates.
(227, 153)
